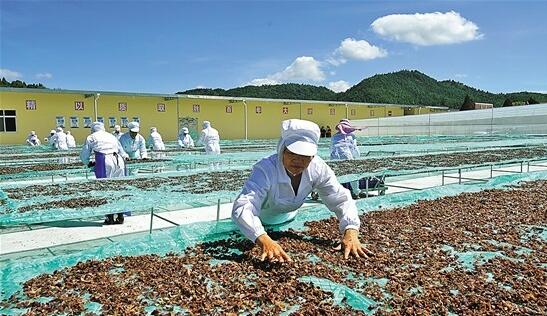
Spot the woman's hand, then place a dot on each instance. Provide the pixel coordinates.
(271, 249)
(351, 244)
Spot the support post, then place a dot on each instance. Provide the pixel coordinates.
(218, 210)
(459, 176)
(151, 218)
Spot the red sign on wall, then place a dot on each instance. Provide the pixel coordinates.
(310, 111)
(332, 111)
(31, 105)
(258, 109)
(228, 109)
(195, 108)
(122, 106)
(160, 107)
(285, 110)
(78, 105)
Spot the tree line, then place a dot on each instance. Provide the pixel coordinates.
(20, 84)
(406, 87)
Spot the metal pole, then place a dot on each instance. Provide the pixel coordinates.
(492, 121)
(151, 218)
(429, 124)
(218, 210)
(521, 166)
(347, 117)
(178, 119)
(246, 122)
(95, 105)
(442, 182)
(459, 176)
(491, 171)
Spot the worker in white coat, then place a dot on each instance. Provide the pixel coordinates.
(344, 142)
(117, 131)
(154, 141)
(109, 159)
(210, 139)
(70, 141)
(185, 139)
(32, 139)
(279, 184)
(59, 139)
(50, 138)
(133, 143)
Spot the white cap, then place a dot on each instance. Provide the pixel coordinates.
(185, 129)
(52, 131)
(59, 129)
(117, 128)
(206, 124)
(300, 136)
(133, 126)
(97, 126)
(153, 129)
(32, 133)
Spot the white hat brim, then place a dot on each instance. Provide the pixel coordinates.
(303, 148)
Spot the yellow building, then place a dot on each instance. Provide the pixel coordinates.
(23, 110)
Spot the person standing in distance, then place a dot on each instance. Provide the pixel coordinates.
(109, 159)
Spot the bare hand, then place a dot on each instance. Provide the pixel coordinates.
(271, 249)
(351, 244)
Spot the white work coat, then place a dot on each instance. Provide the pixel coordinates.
(269, 198)
(135, 148)
(33, 140)
(155, 141)
(186, 141)
(118, 135)
(107, 144)
(211, 140)
(344, 147)
(59, 141)
(70, 141)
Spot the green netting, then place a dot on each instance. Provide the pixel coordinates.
(343, 294)
(173, 195)
(15, 272)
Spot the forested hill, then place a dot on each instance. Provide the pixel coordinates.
(282, 91)
(402, 87)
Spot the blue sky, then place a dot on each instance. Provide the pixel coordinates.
(170, 46)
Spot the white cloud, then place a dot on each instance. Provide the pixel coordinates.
(45, 75)
(10, 75)
(302, 69)
(427, 29)
(460, 75)
(339, 86)
(357, 50)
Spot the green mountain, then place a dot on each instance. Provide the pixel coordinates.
(403, 87)
(281, 91)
